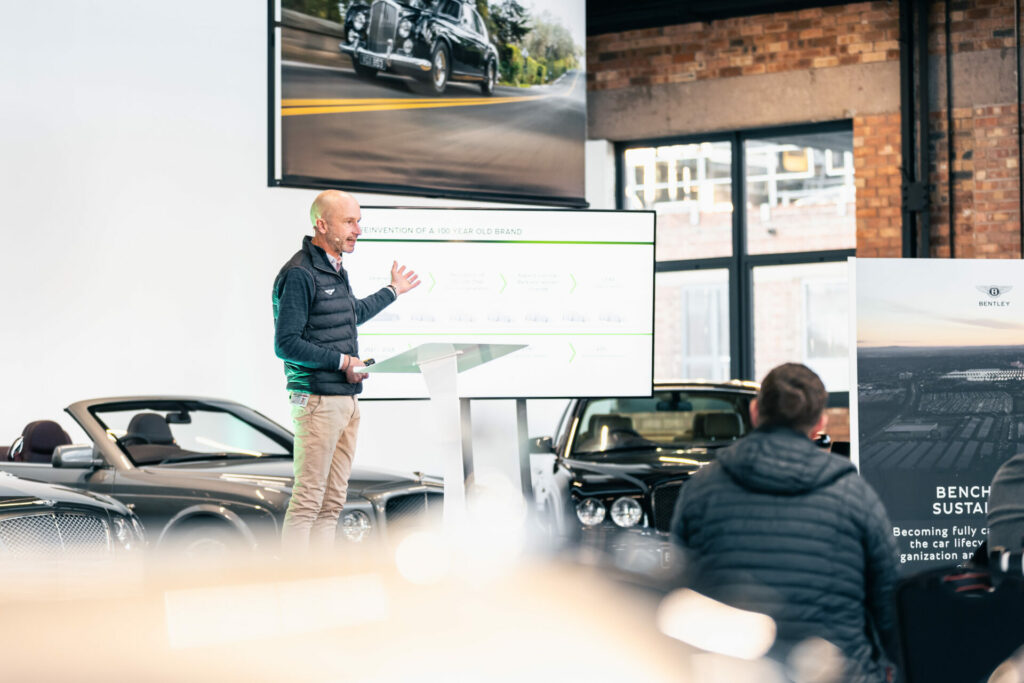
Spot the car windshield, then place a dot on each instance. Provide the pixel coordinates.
(675, 418)
(164, 434)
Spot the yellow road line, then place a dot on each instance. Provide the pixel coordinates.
(304, 107)
(394, 105)
(365, 100)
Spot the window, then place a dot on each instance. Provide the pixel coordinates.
(478, 24)
(452, 8)
(753, 232)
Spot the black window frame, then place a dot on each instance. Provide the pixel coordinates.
(740, 265)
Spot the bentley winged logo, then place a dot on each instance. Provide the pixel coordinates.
(994, 290)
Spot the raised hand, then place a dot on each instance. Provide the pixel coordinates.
(403, 280)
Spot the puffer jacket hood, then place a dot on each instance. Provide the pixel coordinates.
(783, 461)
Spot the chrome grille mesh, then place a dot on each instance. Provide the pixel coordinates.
(383, 22)
(54, 535)
(414, 507)
(663, 501)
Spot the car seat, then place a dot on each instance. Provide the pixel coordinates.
(149, 439)
(37, 441)
(613, 422)
(717, 426)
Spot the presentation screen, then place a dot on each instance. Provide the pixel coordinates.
(575, 287)
(442, 98)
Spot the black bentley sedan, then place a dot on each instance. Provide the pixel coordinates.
(433, 41)
(46, 522)
(612, 472)
(206, 476)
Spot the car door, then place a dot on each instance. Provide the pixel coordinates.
(463, 33)
(477, 57)
(98, 480)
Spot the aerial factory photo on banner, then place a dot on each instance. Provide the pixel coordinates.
(940, 395)
(483, 99)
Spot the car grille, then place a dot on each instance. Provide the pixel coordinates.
(383, 22)
(663, 501)
(413, 508)
(54, 535)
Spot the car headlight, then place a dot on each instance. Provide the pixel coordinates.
(128, 536)
(404, 28)
(407, 45)
(140, 532)
(356, 525)
(590, 511)
(353, 36)
(359, 21)
(626, 512)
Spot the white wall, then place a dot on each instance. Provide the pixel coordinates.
(138, 237)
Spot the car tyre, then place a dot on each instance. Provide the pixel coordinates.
(440, 67)
(203, 541)
(490, 78)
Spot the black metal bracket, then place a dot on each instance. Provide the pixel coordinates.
(915, 196)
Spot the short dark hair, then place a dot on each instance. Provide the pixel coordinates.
(791, 395)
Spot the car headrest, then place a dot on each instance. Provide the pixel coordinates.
(153, 427)
(612, 422)
(37, 441)
(721, 426)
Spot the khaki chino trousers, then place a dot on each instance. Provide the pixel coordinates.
(325, 444)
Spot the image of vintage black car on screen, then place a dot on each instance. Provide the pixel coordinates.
(423, 96)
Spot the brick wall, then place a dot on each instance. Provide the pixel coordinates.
(986, 190)
(825, 40)
(876, 162)
(786, 41)
(815, 39)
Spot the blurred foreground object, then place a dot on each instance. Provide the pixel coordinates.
(314, 623)
(959, 624)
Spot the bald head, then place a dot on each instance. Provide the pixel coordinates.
(328, 201)
(335, 216)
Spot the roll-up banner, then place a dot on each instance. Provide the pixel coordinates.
(939, 406)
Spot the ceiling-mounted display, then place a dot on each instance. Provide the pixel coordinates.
(474, 100)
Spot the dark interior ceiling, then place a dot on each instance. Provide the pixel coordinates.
(611, 16)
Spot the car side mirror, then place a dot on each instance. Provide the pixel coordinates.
(541, 444)
(76, 456)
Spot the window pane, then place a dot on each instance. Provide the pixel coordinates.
(691, 325)
(690, 186)
(800, 193)
(801, 316)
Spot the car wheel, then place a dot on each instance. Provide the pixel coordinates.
(203, 541)
(363, 71)
(440, 67)
(490, 78)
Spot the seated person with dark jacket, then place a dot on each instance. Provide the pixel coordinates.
(778, 526)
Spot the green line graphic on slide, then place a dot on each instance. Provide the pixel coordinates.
(504, 284)
(458, 241)
(573, 288)
(432, 282)
(573, 356)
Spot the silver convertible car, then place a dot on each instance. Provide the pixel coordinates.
(204, 475)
